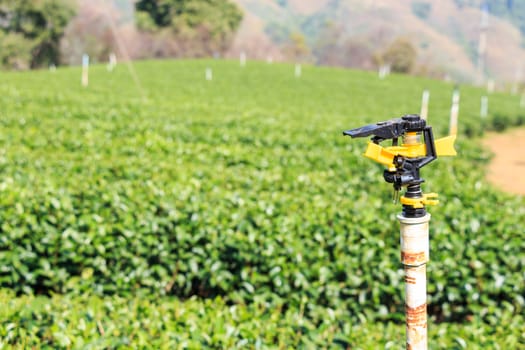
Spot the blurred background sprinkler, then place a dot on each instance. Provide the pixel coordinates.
(403, 163)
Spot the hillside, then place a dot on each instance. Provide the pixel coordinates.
(445, 32)
(350, 32)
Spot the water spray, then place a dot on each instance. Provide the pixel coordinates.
(403, 163)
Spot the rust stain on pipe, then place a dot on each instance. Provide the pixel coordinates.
(410, 280)
(417, 316)
(416, 307)
(414, 256)
(409, 258)
(417, 336)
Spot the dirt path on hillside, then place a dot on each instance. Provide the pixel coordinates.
(507, 169)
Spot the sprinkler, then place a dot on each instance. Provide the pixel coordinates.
(403, 164)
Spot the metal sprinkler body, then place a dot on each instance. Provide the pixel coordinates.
(403, 164)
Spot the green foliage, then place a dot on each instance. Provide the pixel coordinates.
(15, 51)
(218, 18)
(189, 28)
(241, 188)
(73, 322)
(501, 122)
(30, 32)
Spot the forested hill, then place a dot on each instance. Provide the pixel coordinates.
(514, 10)
(444, 32)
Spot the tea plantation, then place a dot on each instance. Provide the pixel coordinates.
(232, 213)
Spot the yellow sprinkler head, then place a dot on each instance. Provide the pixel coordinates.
(403, 161)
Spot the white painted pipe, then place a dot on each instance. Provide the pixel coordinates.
(414, 256)
(384, 70)
(454, 112)
(298, 70)
(85, 70)
(424, 104)
(242, 59)
(484, 107)
(112, 62)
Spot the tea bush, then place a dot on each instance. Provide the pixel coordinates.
(89, 322)
(243, 190)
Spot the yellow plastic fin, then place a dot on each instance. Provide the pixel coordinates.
(445, 146)
(379, 154)
(427, 199)
(385, 155)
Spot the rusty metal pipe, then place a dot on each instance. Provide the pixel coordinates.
(414, 257)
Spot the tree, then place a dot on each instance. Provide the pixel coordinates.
(209, 23)
(400, 55)
(297, 49)
(30, 32)
(15, 51)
